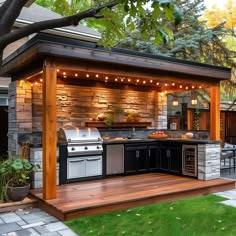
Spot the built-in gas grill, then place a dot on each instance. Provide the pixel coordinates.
(80, 154)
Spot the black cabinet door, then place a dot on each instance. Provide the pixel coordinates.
(175, 160)
(164, 159)
(130, 163)
(135, 158)
(171, 159)
(141, 159)
(153, 158)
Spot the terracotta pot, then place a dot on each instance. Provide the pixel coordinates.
(17, 193)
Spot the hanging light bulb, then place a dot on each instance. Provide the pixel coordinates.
(175, 101)
(193, 100)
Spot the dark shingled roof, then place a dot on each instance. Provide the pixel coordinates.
(36, 13)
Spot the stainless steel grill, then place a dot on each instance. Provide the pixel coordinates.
(80, 153)
(81, 141)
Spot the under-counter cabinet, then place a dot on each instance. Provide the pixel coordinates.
(141, 158)
(171, 158)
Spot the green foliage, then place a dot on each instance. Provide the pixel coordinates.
(114, 23)
(15, 171)
(109, 120)
(198, 216)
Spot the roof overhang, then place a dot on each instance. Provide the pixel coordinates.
(68, 52)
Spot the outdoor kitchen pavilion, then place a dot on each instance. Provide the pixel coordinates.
(50, 60)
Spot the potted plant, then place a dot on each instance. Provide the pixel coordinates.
(15, 176)
(118, 114)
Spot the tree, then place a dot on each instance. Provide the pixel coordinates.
(192, 39)
(225, 18)
(115, 15)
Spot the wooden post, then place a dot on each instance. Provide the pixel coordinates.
(49, 130)
(215, 112)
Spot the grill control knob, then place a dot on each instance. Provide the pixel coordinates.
(72, 149)
(98, 147)
(85, 148)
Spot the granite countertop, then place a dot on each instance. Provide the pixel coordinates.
(142, 140)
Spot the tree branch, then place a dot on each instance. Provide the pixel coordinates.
(49, 24)
(4, 8)
(11, 13)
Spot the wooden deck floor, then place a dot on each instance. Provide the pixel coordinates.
(99, 196)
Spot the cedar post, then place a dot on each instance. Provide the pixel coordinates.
(49, 130)
(215, 112)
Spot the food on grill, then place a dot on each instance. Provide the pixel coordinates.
(158, 134)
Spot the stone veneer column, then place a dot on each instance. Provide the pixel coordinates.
(19, 113)
(208, 161)
(160, 103)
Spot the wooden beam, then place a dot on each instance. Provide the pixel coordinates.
(215, 112)
(49, 130)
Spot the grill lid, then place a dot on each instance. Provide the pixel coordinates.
(72, 134)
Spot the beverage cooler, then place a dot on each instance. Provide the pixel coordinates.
(189, 160)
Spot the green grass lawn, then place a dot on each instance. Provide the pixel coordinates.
(189, 217)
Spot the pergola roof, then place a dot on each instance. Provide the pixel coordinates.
(43, 46)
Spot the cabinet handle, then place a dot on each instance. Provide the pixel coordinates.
(168, 153)
(149, 152)
(76, 160)
(94, 159)
(137, 153)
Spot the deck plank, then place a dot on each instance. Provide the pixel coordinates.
(122, 192)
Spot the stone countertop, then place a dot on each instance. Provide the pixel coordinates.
(145, 140)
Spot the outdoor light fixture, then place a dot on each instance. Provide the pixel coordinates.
(175, 102)
(193, 100)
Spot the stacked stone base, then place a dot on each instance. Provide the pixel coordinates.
(36, 157)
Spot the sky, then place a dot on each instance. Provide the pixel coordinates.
(219, 3)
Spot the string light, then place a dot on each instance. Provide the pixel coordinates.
(187, 87)
(129, 80)
(116, 79)
(137, 80)
(193, 87)
(144, 82)
(166, 84)
(151, 81)
(76, 75)
(106, 77)
(87, 75)
(64, 73)
(97, 75)
(65, 76)
(180, 86)
(41, 80)
(157, 83)
(58, 70)
(173, 84)
(121, 80)
(36, 83)
(200, 86)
